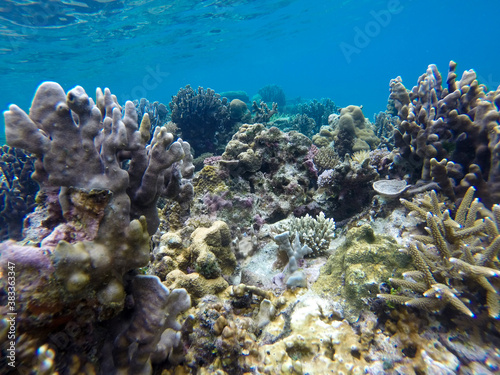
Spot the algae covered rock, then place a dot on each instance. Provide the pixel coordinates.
(358, 266)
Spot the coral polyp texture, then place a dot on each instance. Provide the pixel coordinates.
(450, 134)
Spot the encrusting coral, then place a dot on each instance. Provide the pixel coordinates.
(354, 271)
(455, 258)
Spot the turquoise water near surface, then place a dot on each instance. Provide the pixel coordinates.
(345, 50)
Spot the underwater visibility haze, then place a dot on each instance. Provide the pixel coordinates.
(249, 187)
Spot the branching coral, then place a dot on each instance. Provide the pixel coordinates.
(262, 113)
(17, 191)
(295, 251)
(318, 110)
(67, 132)
(203, 118)
(273, 93)
(457, 125)
(316, 232)
(454, 258)
(157, 112)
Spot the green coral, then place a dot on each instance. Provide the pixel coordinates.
(357, 267)
(208, 180)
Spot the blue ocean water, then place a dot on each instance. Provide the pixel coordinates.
(345, 50)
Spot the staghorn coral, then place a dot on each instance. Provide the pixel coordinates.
(17, 191)
(457, 125)
(262, 113)
(456, 257)
(316, 232)
(203, 118)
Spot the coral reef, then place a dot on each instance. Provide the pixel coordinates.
(201, 267)
(326, 158)
(272, 94)
(346, 188)
(303, 124)
(17, 191)
(153, 330)
(318, 110)
(262, 113)
(267, 170)
(456, 126)
(134, 263)
(203, 118)
(454, 259)
(72, 133)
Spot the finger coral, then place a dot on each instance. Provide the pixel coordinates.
(450, 134)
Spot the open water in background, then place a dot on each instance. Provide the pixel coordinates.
(345, 50)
